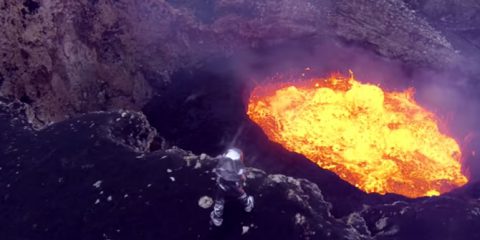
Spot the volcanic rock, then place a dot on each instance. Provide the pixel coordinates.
(444, 217)
(69, 57)
(93, 176)
(84, 179)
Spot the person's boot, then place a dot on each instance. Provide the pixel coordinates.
(217, 221)
(249, 204)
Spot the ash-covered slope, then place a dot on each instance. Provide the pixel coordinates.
(92, 177)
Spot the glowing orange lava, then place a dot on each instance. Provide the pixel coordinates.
(379, 141)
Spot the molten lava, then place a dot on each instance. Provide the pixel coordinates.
(379, 141)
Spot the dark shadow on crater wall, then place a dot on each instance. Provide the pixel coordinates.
(200, 108)
(204, 110)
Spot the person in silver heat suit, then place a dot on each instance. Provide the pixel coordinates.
(230, 172)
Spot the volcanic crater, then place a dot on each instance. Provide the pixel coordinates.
(111, 114)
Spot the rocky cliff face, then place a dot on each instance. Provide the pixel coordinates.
(459, 22)
(69, 57)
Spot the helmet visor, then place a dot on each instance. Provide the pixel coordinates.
(233, 154)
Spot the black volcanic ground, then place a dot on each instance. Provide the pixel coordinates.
(92, 177)
(111, 113)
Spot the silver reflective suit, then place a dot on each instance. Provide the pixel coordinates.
(231, 178)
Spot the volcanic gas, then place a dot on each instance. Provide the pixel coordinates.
(377, 140)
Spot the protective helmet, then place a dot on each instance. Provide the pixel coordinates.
(235, 154)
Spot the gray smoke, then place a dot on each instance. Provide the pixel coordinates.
(450, 93)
